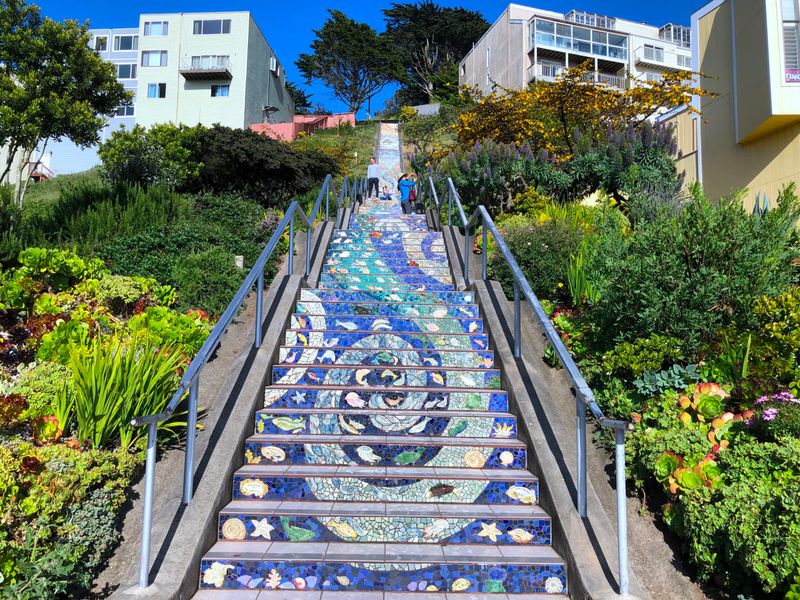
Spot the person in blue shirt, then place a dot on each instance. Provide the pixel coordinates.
(405, 185)
(385, 193)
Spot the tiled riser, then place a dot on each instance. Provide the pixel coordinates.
(437, 282)
(306, 397)
(386, 357)
(356, 323)
(345, 577)
(412, 529)
(257, 487)
(384, 287)
(372, 340)
(406, 297)
(386, 256)
(393, 263)
(391, 423)
(441, 273)
(388, 310)
(503, 457)
(385, 377)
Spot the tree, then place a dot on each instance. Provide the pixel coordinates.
(431, 40)
(300, 98)
(52, 85)
(351, 58)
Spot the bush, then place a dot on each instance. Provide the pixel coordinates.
(688, 276)
(542, 251)
(208, 278)
(631, 360)
(246, 163)
(40, 384)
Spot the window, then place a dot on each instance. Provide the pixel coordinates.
(684, 61)
(653, 53)
(652, 77)
(126, 71)
(212, 26)
(211, 61)
(126, 42)
(156, 28)
(101, 43)
(157, 90)
(221, 91)
(154, 58)
(126, 110)
(791, 40)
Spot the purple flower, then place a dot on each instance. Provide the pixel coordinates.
(769, 414)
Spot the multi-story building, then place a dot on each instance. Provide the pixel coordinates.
(748, 134)
(526, 44)
(189, 68)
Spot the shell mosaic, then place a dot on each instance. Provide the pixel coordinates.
(386, 407)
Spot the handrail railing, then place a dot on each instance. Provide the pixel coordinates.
(584, 397)
(190, 379)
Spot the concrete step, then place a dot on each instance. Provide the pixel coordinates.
(345, 419)
(298, 396)
(448, 485)
(389, 309)
(356, 522)
(377, 567)
(358, 376)
(408, 297)
(299, 355)
(371, 339)
(381, 450)
(349, 322)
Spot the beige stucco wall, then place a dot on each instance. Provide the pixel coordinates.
(685, 125)
(763, 163)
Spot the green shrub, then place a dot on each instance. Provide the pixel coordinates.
(40, 385)
(207, 279)
(631, 360)
(542, 251)
(169, 329)
(92, 526)
(688, 276)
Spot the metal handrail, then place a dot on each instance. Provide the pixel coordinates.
(190, 379)
(584, 397)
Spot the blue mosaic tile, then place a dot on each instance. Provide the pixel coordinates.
(310, 397)
(362, 323)
(385, 357)
(388, 310)
(369, 339)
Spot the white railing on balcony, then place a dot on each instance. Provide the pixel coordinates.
(614, 81)
(206, 63)
(582, 40)
(662, 57)
(550, 72)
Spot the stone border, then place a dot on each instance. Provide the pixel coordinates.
(183, 534)
(539, 395)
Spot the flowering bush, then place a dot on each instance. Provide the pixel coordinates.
(778, 415)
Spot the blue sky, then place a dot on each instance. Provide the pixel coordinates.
(288, 24)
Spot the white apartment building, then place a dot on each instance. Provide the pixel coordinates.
(189, 68)
(526, 44)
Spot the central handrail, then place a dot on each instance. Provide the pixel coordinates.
(190, 379)
(584, 397)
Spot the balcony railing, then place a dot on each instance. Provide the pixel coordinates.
(550, 72)
(206, 67)
(662, 58)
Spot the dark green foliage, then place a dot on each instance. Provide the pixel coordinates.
(542, 251)
(248, 164)
(645, 354)
(92, 525)
(689, 275)
(208, 279)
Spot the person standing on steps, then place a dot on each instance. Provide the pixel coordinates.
(373, 176)
(404, 185)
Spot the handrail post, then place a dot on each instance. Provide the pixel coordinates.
(484, 251)
(191, 432)
(260, 300)
(327, 199)
(147, 525)
(291, 244)
(580, 423)
(466, 254)
(449, 205)
(622, 516)
(517, 321)
(308, 251)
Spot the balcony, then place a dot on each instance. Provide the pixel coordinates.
(550, 72)
(567, 38)
(659, 58)
(206, 68)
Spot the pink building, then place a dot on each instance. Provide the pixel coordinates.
(303, 124)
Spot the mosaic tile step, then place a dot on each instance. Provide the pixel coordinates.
(396, 226)
(348, 322)
(389, 263)
(379, 295)
(439, 272)
(346, 420)
(457, 568)
(365, 375)
(269, 594)
(341, 234)
(385, 484)
(299, 355)
(361, 241)
(385, 287)
(439, 256)
(408, 398)
(390, 279)
(378, 522)
(371, 339)
(383, 450)
(388, 309)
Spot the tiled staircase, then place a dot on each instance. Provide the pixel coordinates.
(385, 462)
